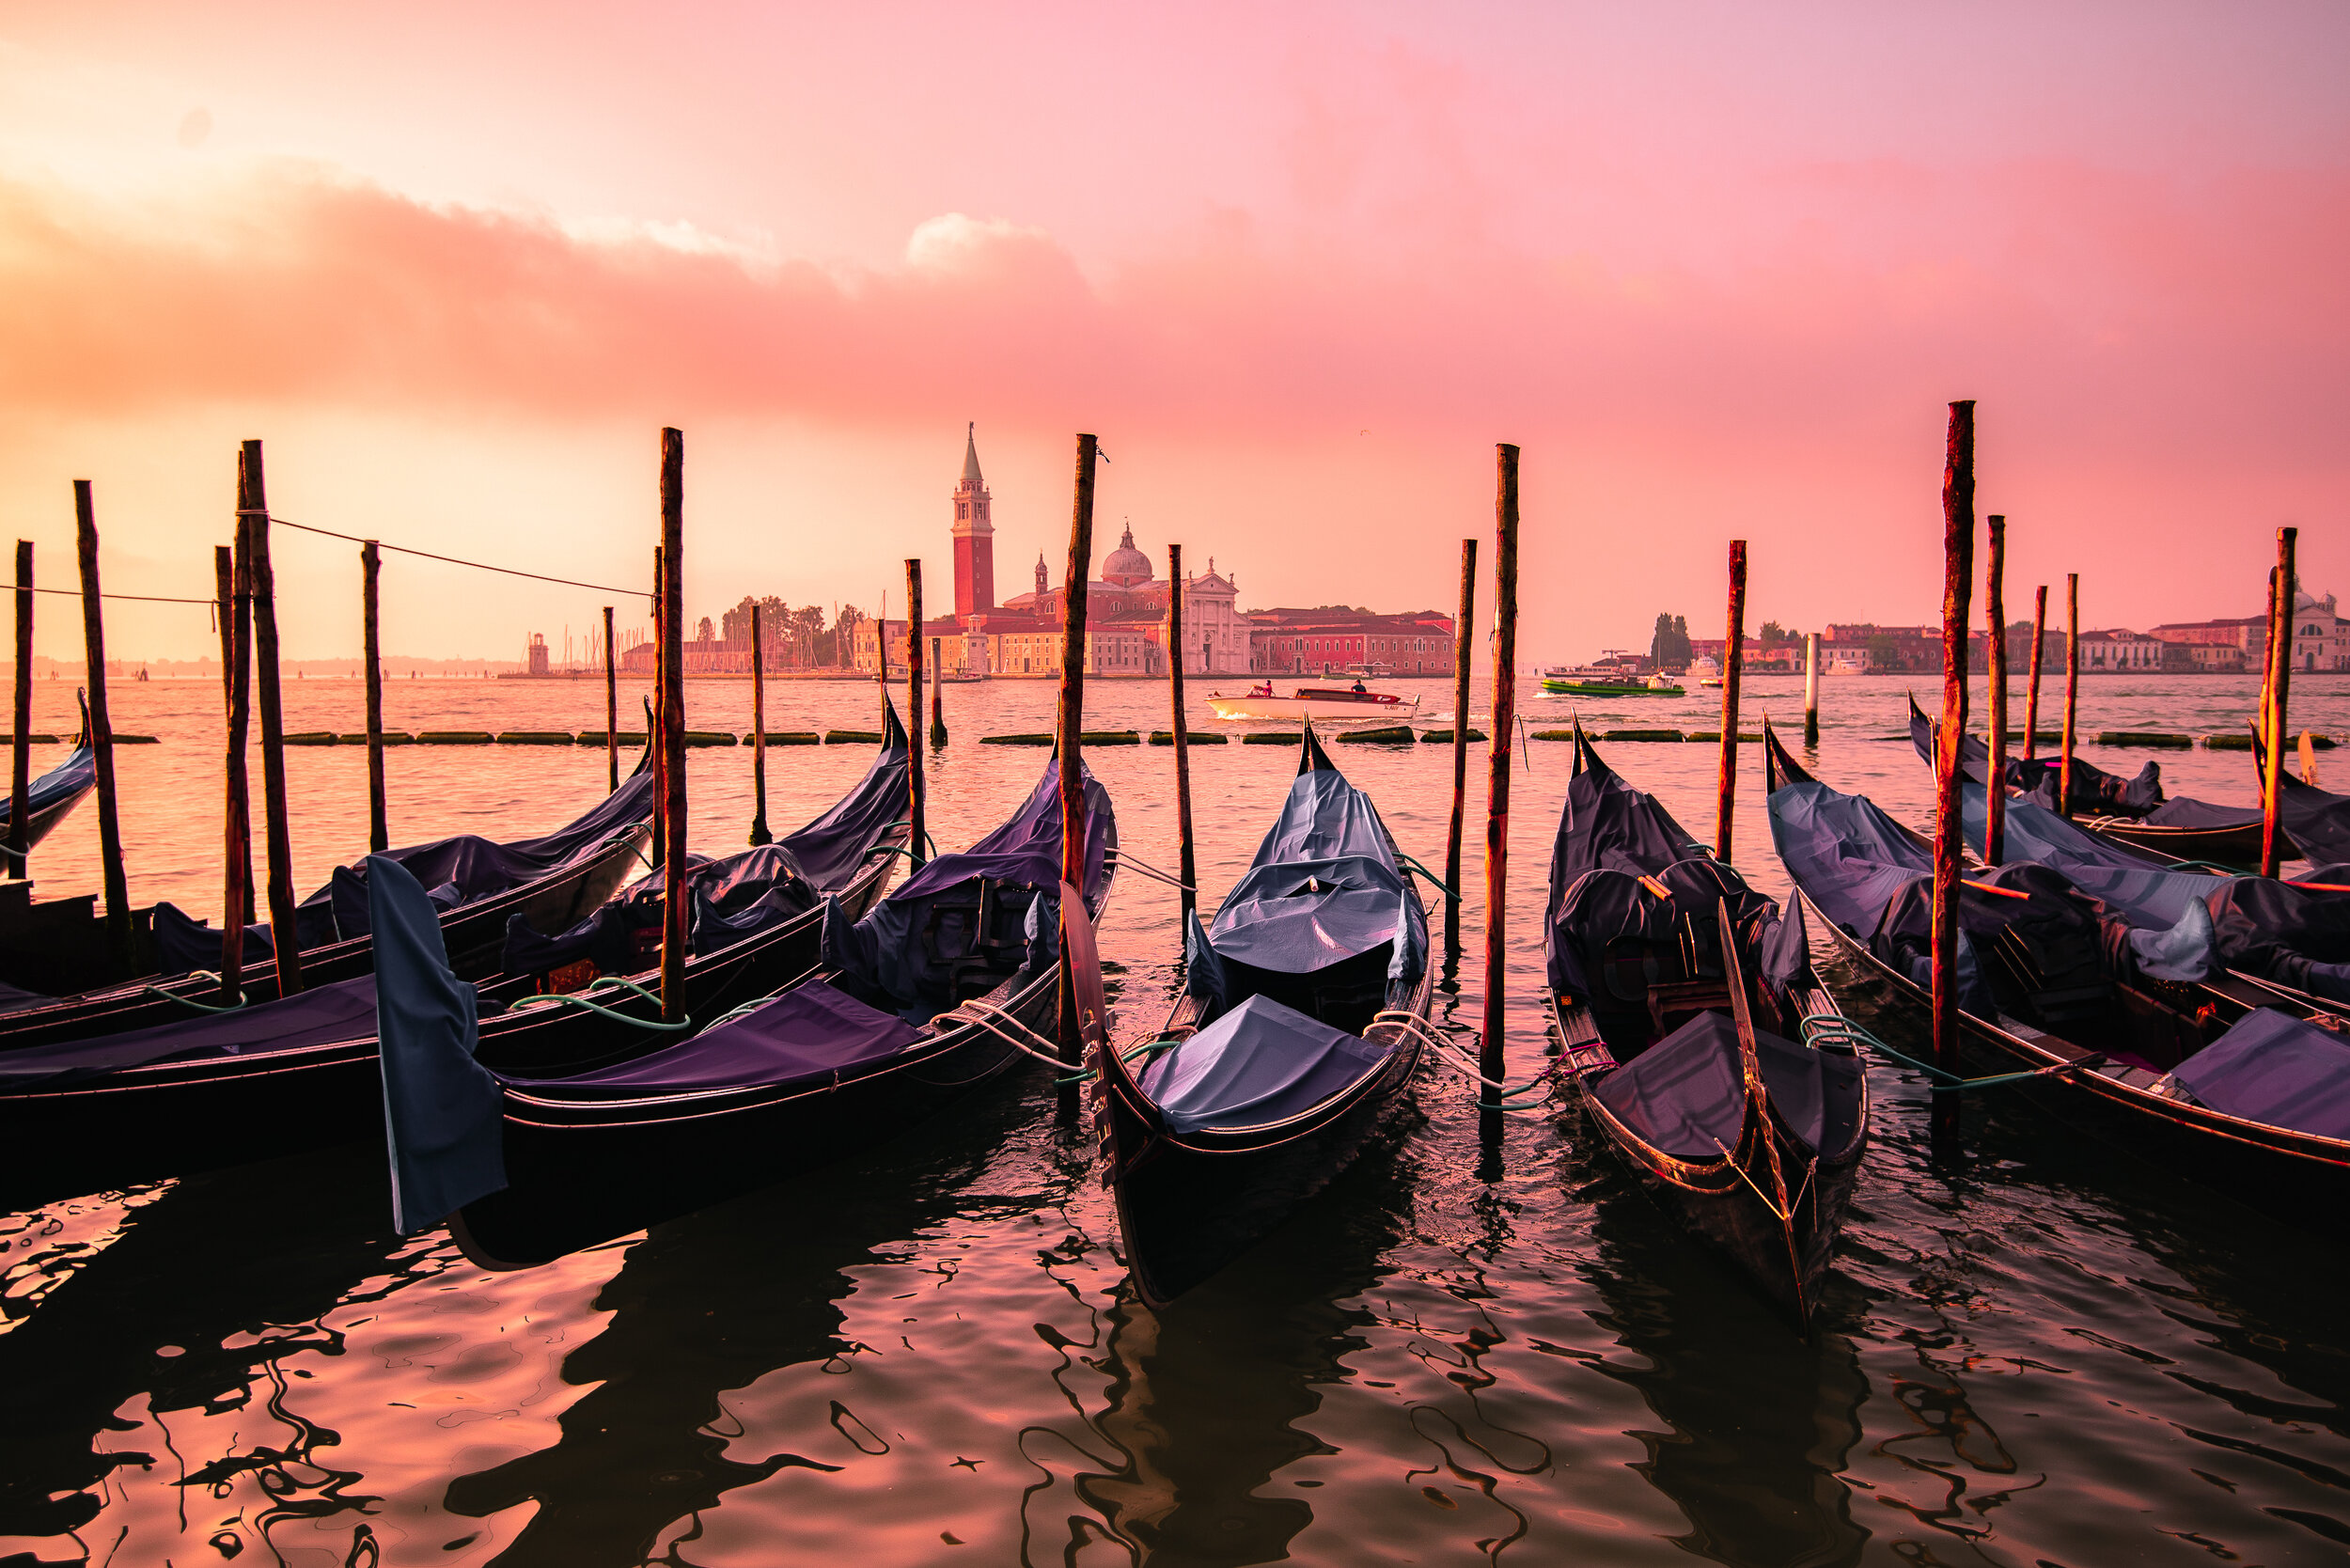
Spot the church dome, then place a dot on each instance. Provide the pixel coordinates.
(1126, 566)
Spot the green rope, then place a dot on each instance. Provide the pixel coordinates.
(609, 983)
(1833, 1028)
(1414, 866)
(1149, 1047)
(190, 1002)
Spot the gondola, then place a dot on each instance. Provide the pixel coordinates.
(2125, 1033)
(940, 986)
(1292, 1046)
(1686, 1008)
(294, 1072)
(2273, 938)
(478, 883)
(48, 798)
(2313, 825)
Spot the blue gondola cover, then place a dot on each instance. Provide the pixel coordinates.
(1258, 1063)
(2273, 1068)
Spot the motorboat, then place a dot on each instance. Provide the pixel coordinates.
(1314, 702)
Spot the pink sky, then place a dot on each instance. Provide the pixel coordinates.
(1718, 268)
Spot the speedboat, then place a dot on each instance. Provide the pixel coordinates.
(1314, 702)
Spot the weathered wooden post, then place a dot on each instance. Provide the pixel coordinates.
(233, 569)
(1811, 689)
(915, 854)
(102, 733)
(284, 938)
(1733, 662)
(2072, 689)
(20, 766)
(760, 835)
(1185, 870)
(611, 706)
(677, 893)
(1461, 649)
(2279, 682)
(938, 701)
(379, 826)
(1072, 727)
(2031, 698)
(1958, 571)
(1995, 612)
(1491, 1053)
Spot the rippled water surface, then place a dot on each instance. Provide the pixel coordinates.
(2059, 1355)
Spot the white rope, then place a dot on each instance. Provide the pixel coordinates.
(981, 1013)
(1445, 1051)
(1127, 862)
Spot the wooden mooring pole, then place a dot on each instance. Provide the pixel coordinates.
(2072, 690)
(233, 570)
(915, 794)
(102, 733)
(1994, 615)
(1958, 571)
(2273, 726)
(1072, 727)
(379, 824)
(1812, 690)
(759, 834)
(657, 731)
(2031, 695)
(677, 894)
(1461, 648)
(1733, 662)
(1491, 1053)
(21, 764)
(285, 938)
(1186, 871)
(611, 706)
(938, 700)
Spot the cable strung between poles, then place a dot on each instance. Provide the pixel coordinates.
(453, 560)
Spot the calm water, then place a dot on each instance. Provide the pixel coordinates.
(2064, 1355)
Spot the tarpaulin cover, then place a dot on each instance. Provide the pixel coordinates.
(832, 848)
(738, 896)
(2278, 1070)
(995, 907)
(458, 872)
(442, 1117)
(810, 1031)
(1604, 921)
(2095, 792)
(1685, 1096)
(2316, 821)
(320, 1015)
(1323, 887)
(1261, 1062)
(72, 777)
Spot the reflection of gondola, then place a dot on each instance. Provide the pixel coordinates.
(1680, 997)
(915, 1004)
(480, 885)
(1759, 1423)
(1296, 1037)
(1209, 1395)
(2121, 1023)
(83, 1115)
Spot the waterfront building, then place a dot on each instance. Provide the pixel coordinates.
(2120, 653)
(1334, 640)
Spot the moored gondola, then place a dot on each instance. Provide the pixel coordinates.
(294, 1072)
(1701, 1044)
(944, 984)
(2125, 1030)
(54, 793)
(1291, 1049)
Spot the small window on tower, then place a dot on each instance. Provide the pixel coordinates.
(963, 511)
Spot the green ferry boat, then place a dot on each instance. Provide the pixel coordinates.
(1598, 683)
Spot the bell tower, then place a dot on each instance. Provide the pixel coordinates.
(975, 536)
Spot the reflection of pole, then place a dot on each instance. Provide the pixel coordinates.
(1071, 723)
(21, 768)
(759, 733)
(611, 706)
(1185, 872)
(379, 829)
(1958, 571)
(1497, 760)
(1812, 690)
(1460, 743)
(2031, 699)
(1995, 614)
(102, 733)
(1733, 662)
(2273, 729)
(915, 857)
(676, 893)
(283, 937)
(938, 702)
(2072, 689)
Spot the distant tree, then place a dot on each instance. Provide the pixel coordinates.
(1773, 634)
(1885, 654)
(1670, 647)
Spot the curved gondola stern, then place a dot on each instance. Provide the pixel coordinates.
(1779, 769)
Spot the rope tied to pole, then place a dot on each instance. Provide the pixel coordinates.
(605, 986)
(190, 1002)
(1836, 1029)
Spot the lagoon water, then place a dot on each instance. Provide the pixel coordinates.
(2059, 1355)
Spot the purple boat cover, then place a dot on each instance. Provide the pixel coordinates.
(2095, 792)
(442, 1122)
(2317, 819)
(1261, 1062)
(456, 871)
(1686, 1096)
(831, 849)
(2278, 1070)
(810, 1031)
(77, 774)
(342, 1011)
(737, 897)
